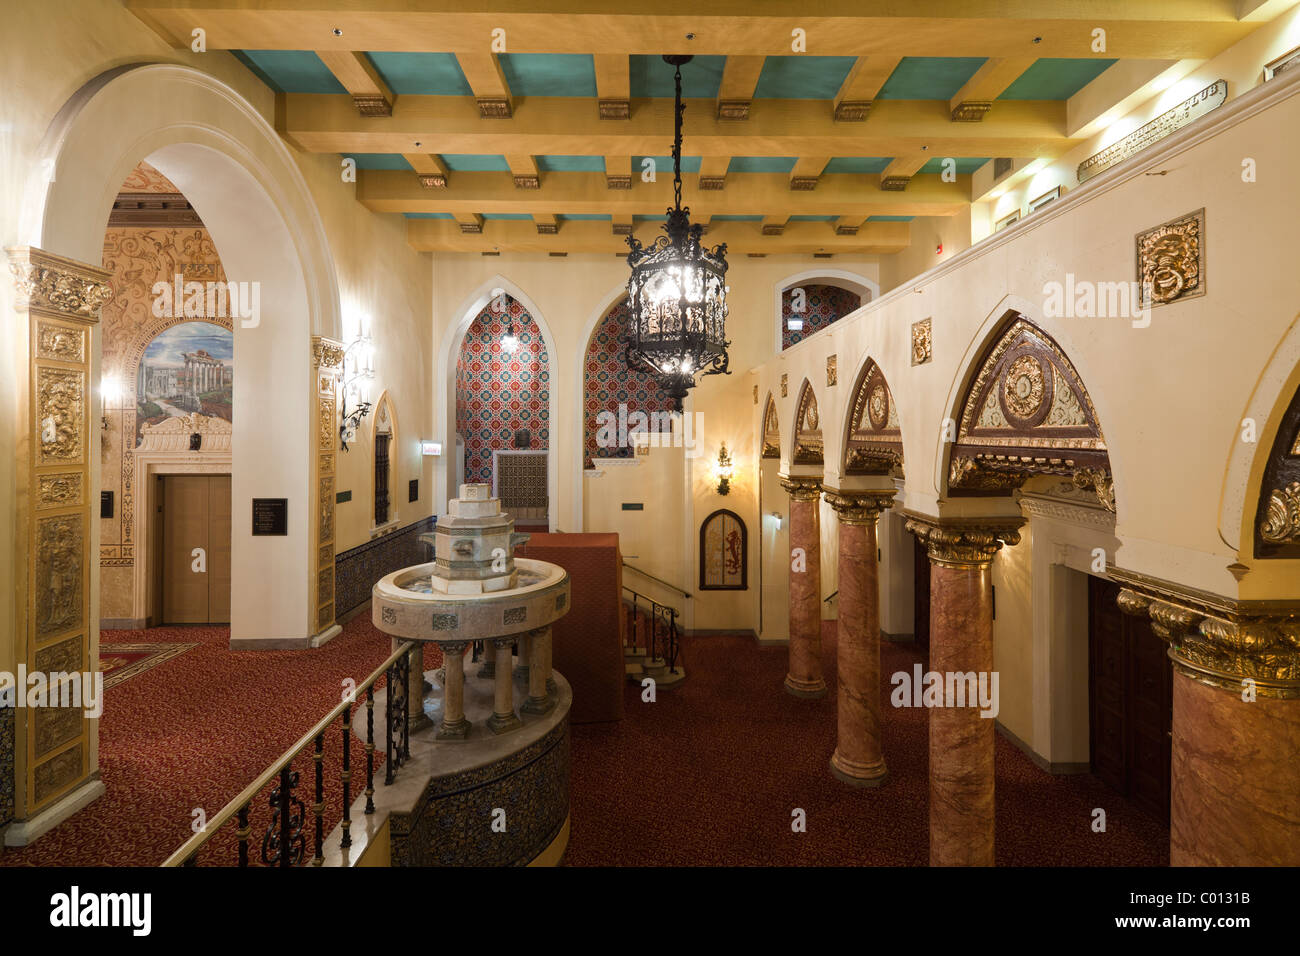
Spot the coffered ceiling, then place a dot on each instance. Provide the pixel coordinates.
(809, 128)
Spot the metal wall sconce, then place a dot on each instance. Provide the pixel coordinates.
(724, 470)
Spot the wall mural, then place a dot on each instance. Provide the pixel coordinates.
(723, 552)
(822, 305)
(187, 368)
(609, 383)
(500, 396)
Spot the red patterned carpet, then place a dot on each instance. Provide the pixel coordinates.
(709, 775)
(193, 731)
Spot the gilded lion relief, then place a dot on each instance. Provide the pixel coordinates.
(1171, 260)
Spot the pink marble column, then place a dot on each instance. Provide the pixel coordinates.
(1234, 780)
(858, 759)
(805, 674)
(961, 640)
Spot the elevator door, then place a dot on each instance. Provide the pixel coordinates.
(1131, 701)
(195, 558)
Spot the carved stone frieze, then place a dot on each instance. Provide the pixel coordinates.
(852, 111)
(964, 543)
(614, 109)
(369, 104)
(1220, 641)
(875, 438)
(807, 429)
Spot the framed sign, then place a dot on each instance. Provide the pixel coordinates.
(270, 516)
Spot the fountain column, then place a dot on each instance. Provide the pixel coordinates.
(488, 669)
(454, 725)
(539, 643)
(503, 717)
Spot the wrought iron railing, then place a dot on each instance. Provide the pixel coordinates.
(671, 587)
(284, 842)
(660, 628)
(831, 597)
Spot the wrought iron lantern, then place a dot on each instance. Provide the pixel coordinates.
(677, 292)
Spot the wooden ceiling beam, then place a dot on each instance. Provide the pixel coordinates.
(370, 94)
(430, 169)
(1172, 29)
(736, 92)
(491, 91)
(613, 86)
(549, 126)
(853, 101)
(504, 235)
(749, 194)
(976, 97)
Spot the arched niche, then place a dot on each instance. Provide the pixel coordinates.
(829, 295)
(1025, 413)
(807, 448)
(771, 429)
(611, 388)
(873, 439)
(1277, 511)
(724, 552)
(384, 465)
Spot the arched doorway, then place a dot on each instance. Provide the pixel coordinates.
(503, 396)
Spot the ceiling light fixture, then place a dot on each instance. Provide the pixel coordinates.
(677, 291)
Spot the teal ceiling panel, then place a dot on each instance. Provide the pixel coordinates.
(664, 165)
(651, 76)
(1055, 78)
(550, 74)
(802, 77)
(857, 164)
(761, 164)
(379, 161)
(475, 163)
(571, 164)
(929, 77)
(965, 164)
(422, 74)
(291, 71)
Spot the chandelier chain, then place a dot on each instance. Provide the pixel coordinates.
(677, 138)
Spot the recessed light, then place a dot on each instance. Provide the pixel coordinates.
(417, 142)
(690, 36)
(1038, 39)
(337, 32)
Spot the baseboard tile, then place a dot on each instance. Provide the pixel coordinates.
(270, 644)
(24, 832)
(123, 623)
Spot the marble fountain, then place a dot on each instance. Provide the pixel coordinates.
(487, 784)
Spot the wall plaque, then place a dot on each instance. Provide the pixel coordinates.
(106, 504)
(1192, 108)
(270, 516)
(633, 506)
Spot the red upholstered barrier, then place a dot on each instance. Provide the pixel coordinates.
(588, 641)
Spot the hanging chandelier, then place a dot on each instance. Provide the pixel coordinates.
(677, 292)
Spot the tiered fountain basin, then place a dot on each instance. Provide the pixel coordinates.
(405, 605)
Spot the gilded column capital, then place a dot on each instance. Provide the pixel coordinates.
(965, 542)
(326, 354)
(1220, 641)
(860, 507)
(802, 488)
(56, 284)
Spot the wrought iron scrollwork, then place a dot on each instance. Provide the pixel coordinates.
(284, 844)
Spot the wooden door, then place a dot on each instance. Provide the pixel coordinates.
(921, 596)
(195, 556)
(1130, 702)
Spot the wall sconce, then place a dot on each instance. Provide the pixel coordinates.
(361, 353)
(724, 470)
(779, 518)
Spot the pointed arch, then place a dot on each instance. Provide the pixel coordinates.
(383, 447)
(1026, 412)
(1277, 512)
(807, 446)
(771, 429)
(873, 436)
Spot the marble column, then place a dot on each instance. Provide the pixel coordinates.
(503, 717)
(539, 701)
(961, 641)
(416, 718)
(454, 723)
(1235, 763)
(804, 678)
(858, 759)
(488, 669)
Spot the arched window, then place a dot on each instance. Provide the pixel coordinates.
(724, 553)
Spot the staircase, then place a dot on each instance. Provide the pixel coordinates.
(651, 647)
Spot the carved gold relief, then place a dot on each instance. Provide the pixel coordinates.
(964, 544)
(771, 432)
(1218, 641)
(832, 373)
(59, 490)
(60, 414)
(1282, 515)
(56, 726)
(60, 543)
(921, 346)
(326, 354)
(807, 429)
(859, 507)
(57, 774)
(785, 384)
(326, 524)
(66, 656)
(63, 288)
(60, 343)
(1023, 386)
(1171, 260)
(325, 437)
(802, 489)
